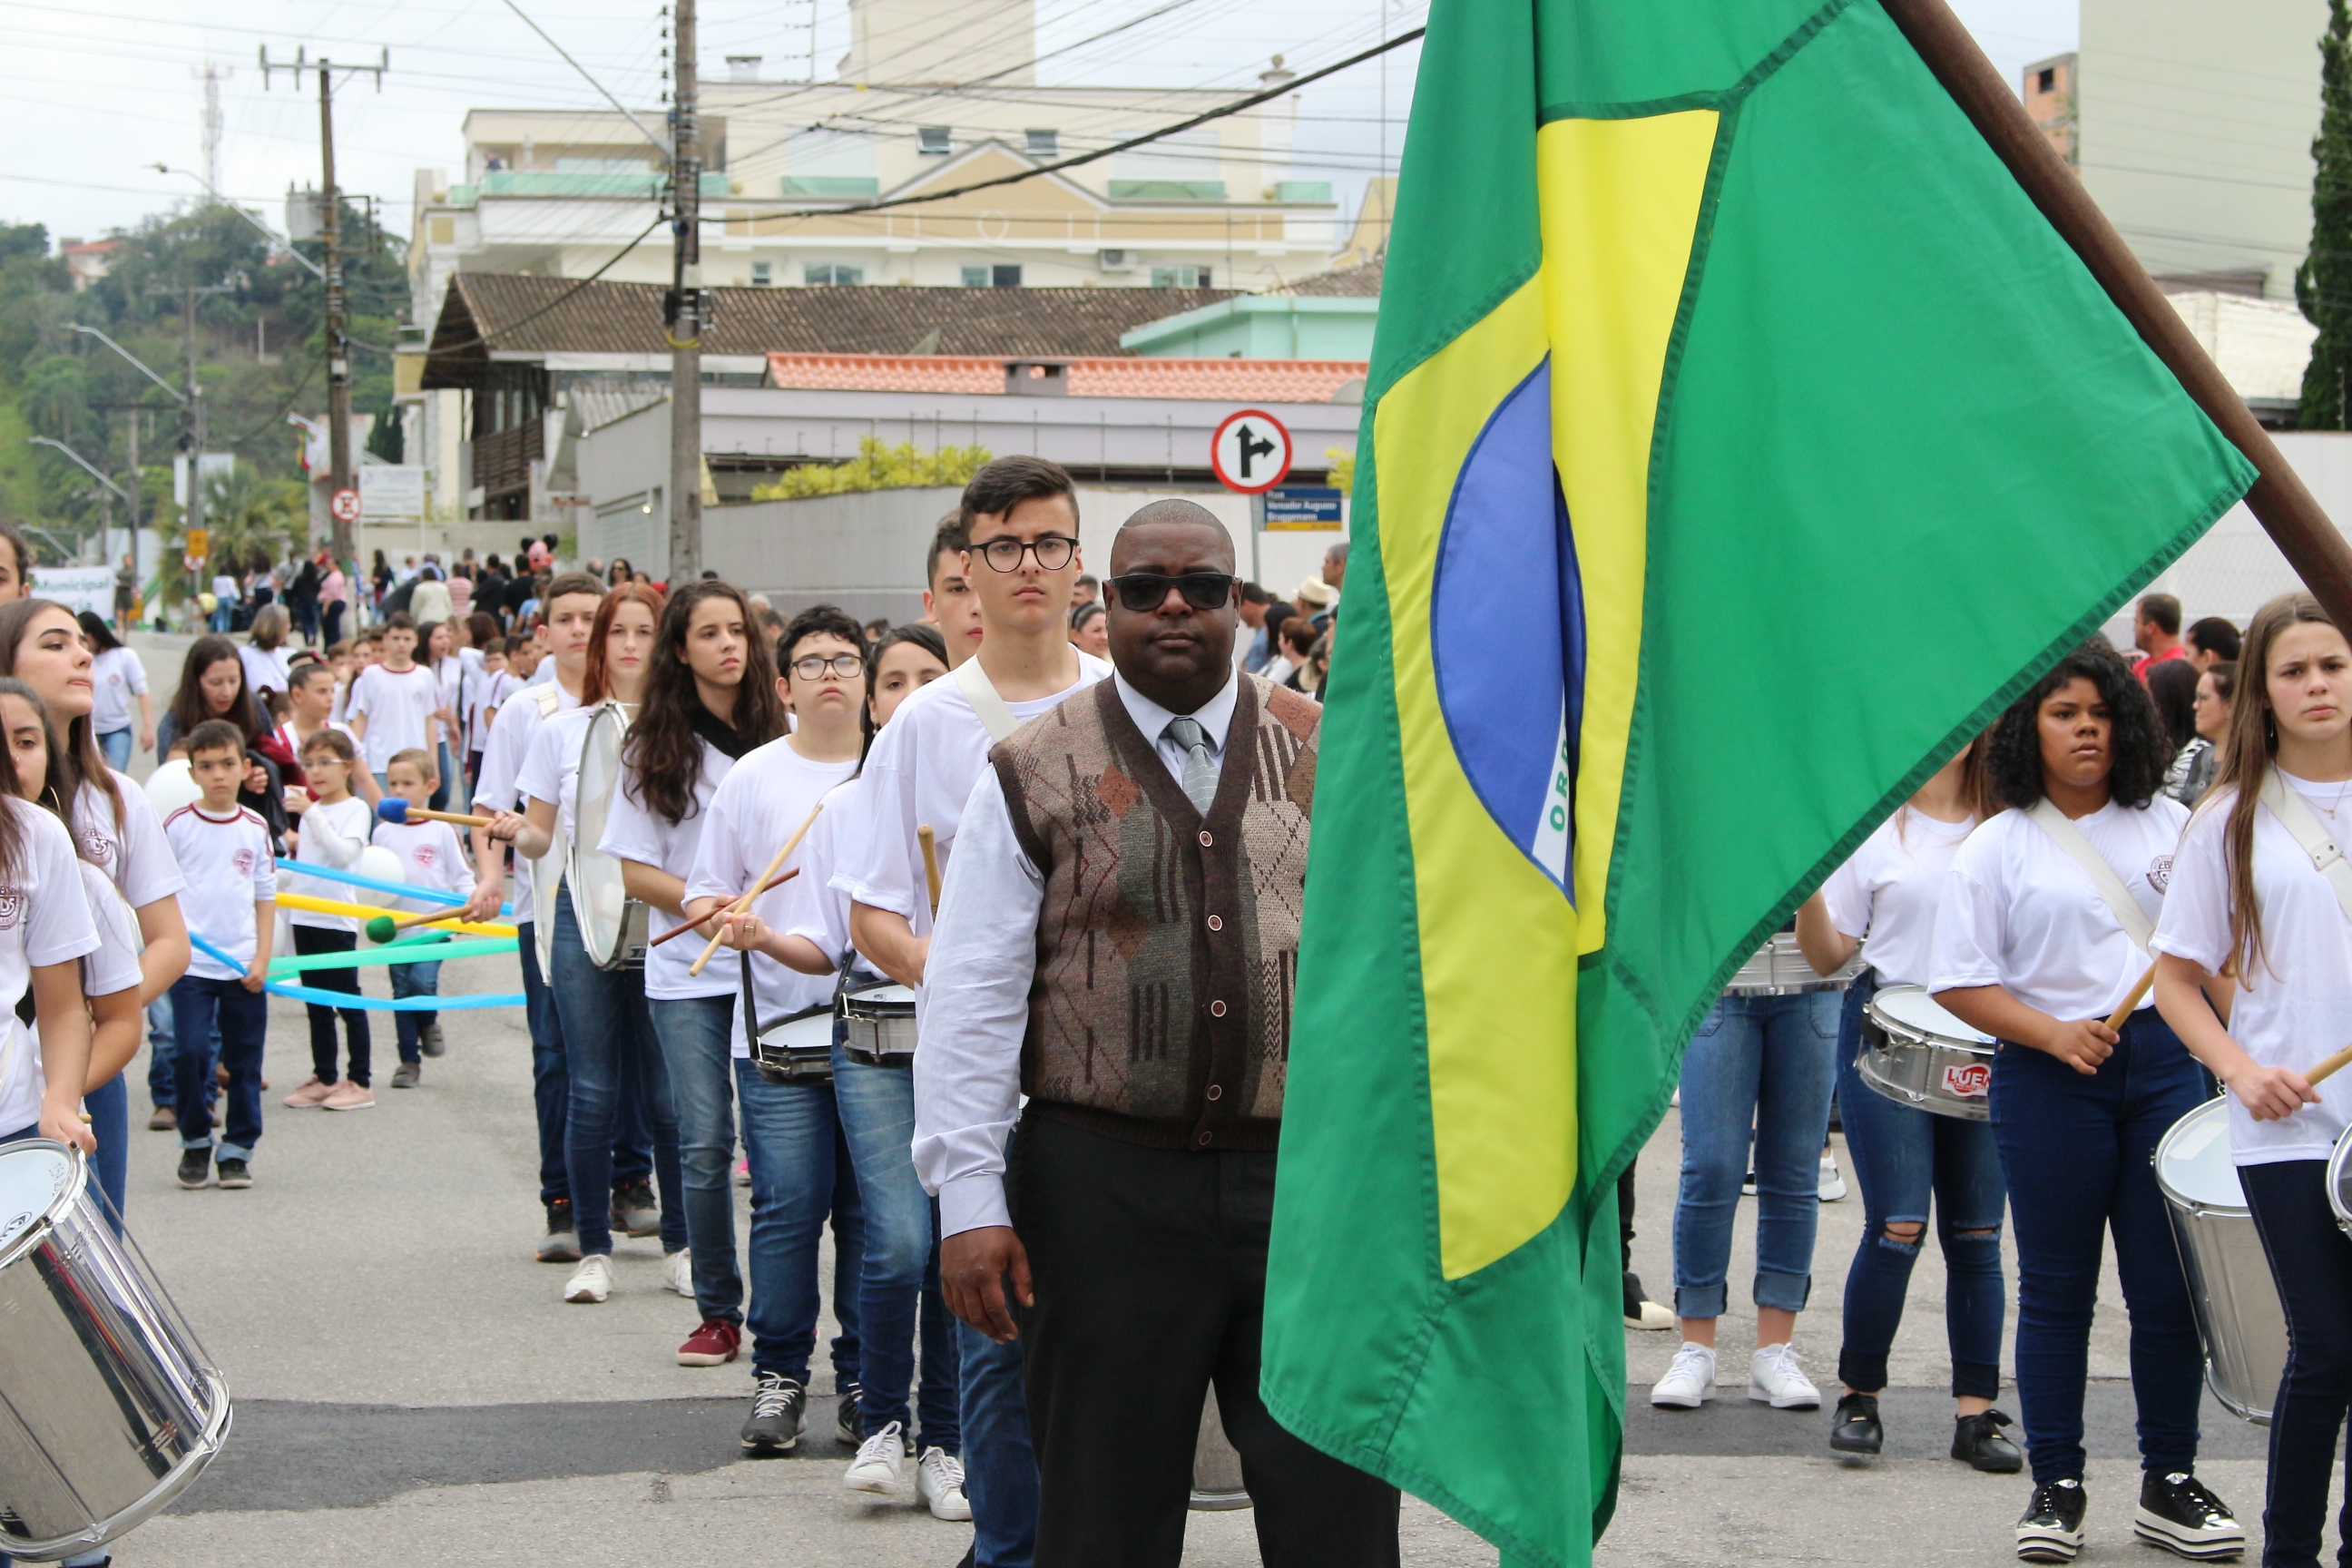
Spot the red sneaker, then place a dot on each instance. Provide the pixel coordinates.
(713, 1345)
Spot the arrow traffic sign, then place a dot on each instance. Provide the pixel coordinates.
(1250, 452)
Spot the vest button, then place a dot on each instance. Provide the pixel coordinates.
(1206, 841)
(1216, 1092)
(1215, 923)
(1216, 1009)
(1204, 1138)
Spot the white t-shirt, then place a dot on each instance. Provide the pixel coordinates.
(2296, 1007)
(757, 807)
(116, 677)
(271, 668)
(134, 854)
(226, 861)
(488, 693)
(516, 727)
(814, 909)
(2017, 913)
(430, 857)
(1885, 894)
(551, 771)
(331, 836)
(921, 770)
(398, 709)
(631, 832)
(113, 964)
(44, 919)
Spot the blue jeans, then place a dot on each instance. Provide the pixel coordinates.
(800, 1175)
(550, 1085)
(2311, 1263)
(2077, 1151)
(1000, 1468)
(110, 1122)
(1902, 1158)
(696, 1036)
(877, 1107)
(198, 1006)
(116, 744)
(163, 1045)
(446, 776)
(413, 980)
(1765, 1063)
(611, 1057)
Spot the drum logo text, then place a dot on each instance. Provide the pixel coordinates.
(1970, 1081)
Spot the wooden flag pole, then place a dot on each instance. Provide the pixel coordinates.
(2287, 511)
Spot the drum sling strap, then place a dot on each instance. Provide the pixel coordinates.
(547, 871)
(2294, 815)
(2110, 887)
(994, 716)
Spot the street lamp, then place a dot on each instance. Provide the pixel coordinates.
(101, 478)
(268, 233)
(126, 353)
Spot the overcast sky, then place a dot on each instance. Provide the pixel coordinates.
(92, 95)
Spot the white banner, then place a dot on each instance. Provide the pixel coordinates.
(77, 588)
(392, 493)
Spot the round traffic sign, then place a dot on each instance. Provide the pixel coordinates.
(345, 506)
(1250, 452)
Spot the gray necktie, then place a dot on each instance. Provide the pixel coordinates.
(1199, 767)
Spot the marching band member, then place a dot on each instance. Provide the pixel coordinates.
(2040, 936)
(2248, 899)
(1883, 900)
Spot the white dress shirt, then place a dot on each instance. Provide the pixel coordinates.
(973, 1012)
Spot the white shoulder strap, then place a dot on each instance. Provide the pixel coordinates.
(2294, 815)
(994, 716)
(550, 698)
(2111, 888)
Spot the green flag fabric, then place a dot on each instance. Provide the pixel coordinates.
(1740, 441)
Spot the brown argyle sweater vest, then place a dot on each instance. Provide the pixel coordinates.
(1168, 942)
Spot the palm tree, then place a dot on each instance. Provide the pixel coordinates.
(251, 523)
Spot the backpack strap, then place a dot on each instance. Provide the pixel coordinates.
(2294, 815)
(2110, 887)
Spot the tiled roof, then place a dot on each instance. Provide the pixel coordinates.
(511, 313)
(1221, 380)
(1362, 282)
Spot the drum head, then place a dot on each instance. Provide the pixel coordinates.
(600, 901)
(883, 996)
(2340, 1180)
(33, 1177)
(814, 1033)
(1911, 1007)
(2193, 1162)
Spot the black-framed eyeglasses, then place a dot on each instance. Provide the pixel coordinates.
(1144, 591)
(816, 667)
(1053, 551)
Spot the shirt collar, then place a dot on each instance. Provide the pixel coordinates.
(1215, 716)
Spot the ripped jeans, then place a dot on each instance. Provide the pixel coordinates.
(1903, 1158)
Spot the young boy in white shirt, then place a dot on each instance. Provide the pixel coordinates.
(232, 906)
(430, 857)
(393, 704)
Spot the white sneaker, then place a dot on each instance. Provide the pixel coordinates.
(1653, 1317)
(1832, 1182)
(939, 1481)
(677, 1272)
(592, 1281)
(1774, 1378)
(880, 1459)
(1690, 1382)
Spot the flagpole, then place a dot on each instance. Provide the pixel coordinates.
(2287, 511)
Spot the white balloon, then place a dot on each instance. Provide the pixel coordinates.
(380, 863)
(171, 786)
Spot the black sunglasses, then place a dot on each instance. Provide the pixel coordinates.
(1144, 591)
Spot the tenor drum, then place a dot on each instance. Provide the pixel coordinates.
(2339, 1182)
(881, 1020)
(1778, 969)
(612, 924)
(109, 1407)
(1916, 1054)
(797, 1050)
(2238, 1313)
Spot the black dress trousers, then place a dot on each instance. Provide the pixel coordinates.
(1149, 1271)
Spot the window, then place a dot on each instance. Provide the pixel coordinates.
(1044, 144)
(2045, 79)
(975, 278)
(935, 140)
(1006, 277)
(1180, 277)
(763, 274)
(817, 273)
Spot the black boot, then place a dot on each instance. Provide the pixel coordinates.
(1857, 1430)
(1978, 1439)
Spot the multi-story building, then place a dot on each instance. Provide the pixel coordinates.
(2049, 92)
(933, 95)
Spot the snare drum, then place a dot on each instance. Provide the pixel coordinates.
(797, 1050)
(2339, 1182)
(1778, 969)
(881, 1021)
(109, 1407)
(612, 924)
(2238, 1313)
(1916, 1054)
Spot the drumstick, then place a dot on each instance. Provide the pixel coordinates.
(383, 928)
(396, 811)
(682, 929)
(930, 841)
(2122, 1014)
(743, 903)
(2333, 1064)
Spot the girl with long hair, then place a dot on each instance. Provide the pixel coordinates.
(267, 662)
(2249, 899)
(2041, 935)
(2192, 774)
(213, 685)
(1907, 1160)
(120, 677)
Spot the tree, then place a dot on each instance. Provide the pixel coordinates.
(877, 467)
(2323, 284)
(251, 522)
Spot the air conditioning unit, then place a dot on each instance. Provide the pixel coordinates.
(1116, 260)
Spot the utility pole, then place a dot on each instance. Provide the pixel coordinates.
(192, 399)
(688, 313)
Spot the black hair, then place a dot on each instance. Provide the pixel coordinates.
(2162, 609)
(1006, 482)
(401, 621)
(213, 735)
(950, 535)
(2217, 636)
(101, 636)
(819, 620)
(2138, 740)
(924, 636)
(1256, 594)
(663, 752)
(14, 539)
(2172, 687)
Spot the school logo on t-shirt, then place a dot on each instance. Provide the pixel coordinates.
(98, 849)
(2159, 874)
(244, 862)
(11, 908)
(425, 855)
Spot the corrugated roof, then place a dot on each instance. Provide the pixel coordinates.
(509, 313)
(1362, 282)
(1221, 380)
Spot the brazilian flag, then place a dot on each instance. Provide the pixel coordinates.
(1740, 441)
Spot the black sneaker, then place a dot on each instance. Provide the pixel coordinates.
(2051, 1530)
(1857, 1429)
(2178, 1513)
(635, 1211)
(779, 1416)
(1978, 1439)
(848, 1420)
(561, 1243)
(195, 1167)
(234, 1174)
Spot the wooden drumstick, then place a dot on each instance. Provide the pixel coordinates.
(930, 841)
(383, 928)
(743, 903)
(2122, 1014)
(396, 811)
(2333, 1064)
(682, 929)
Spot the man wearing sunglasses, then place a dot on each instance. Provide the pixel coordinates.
(1116, 939)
